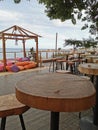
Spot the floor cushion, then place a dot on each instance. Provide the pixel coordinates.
(21, 67)
(8, 68)
(15, 68)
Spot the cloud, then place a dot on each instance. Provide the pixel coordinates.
(6, 15)
(67, 24)
(31, 16)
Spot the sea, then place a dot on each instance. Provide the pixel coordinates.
(12, 53)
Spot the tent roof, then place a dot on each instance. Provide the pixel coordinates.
(16, 32)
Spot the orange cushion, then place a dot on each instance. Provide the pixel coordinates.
(26, 67)
(30, 66)
(21, 67)
(33, 65)
(8, 68)
(30, 62)
(22, 63)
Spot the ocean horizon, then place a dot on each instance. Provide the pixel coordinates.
(11, 53)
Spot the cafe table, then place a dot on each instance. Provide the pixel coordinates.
(92, 69)
(56, 93)
(92, 58)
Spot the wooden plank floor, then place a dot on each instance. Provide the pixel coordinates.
(36, 119)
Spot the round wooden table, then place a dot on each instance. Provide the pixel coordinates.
(56, 93)
(92, 69)
(92, 58)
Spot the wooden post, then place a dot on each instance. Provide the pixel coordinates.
(24, 50)
(56, 43)
(37, 58)
(4, 51)
(46, 55)
(40, 59)
(15, 56)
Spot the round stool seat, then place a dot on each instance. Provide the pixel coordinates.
(63, 71)
(70, 63)
(63, 60)
(9, 105)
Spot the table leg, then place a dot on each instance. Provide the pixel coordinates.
(52, 63)
(96, 106)
(66, 62)
(92, 78)
(54, 124)
(53, 66)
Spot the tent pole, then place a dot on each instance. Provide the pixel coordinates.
(4, 51)
(37, 60)
(24, 50)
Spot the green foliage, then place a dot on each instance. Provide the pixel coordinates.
(87, 43)
(62, 9)
(17, 1)
(85, 10)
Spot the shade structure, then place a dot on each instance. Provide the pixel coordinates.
(18, 33)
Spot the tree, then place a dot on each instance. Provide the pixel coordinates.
(84, 10)
(87, 43)
(16, 1)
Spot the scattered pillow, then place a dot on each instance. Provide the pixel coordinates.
(19, 59)
(25, 59)
(14, 68)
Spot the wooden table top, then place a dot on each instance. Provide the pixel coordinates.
(92, 56)
(50, 59)
(56, 92)
(89, 68)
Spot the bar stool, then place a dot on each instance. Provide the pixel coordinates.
(9, 106)
(71, 64)
(60, 63)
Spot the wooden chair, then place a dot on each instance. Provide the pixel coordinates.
(9, 106)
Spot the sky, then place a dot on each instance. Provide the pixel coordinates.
(31, 16)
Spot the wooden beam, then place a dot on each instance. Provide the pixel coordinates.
(19, 35)
(30, 32)
(6, 29)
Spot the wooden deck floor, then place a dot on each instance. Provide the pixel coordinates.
(36, 119)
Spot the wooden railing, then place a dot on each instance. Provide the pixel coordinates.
(46, 54)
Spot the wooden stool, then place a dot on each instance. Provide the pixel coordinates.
(61, 63)
(63, 71)
(9, 106)
(71, 65)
